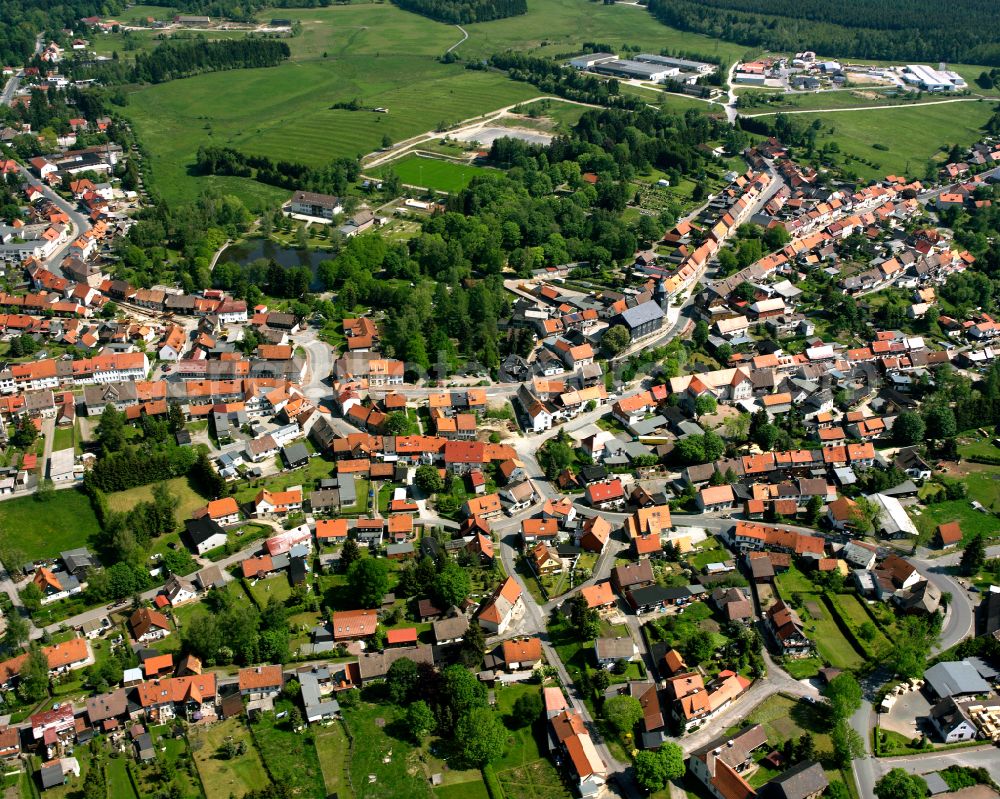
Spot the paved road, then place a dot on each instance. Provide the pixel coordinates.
(9, 90)
(959, 621)
(78, 221)
(868, 772)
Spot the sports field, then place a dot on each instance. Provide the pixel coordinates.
(432, 173)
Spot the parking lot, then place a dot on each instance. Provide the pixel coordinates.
(907, 715)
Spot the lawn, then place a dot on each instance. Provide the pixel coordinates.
(290, 756)
(175, 751)
(278, 587)
(393, 762)
(708, 552)
(802, 668)
(793, 581)
(332, 748)
(432, 173)
(525, 771)
(306, 476)
(225, 778)
(830, 642)
(119, 785)
(188, 500)
(983, 484)
(62, 438)
(912, 135)
(44, 529)
(850, 609)
(783, 718)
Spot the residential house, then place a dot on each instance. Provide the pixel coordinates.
(148, 625)
(261, 682)
(497, 611)
(786, 629)
(610, 651)
(204, 534)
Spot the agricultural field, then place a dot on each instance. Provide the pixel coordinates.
(188, 500)
(44, 529)
(433, 173)
(383, 56)
(910, 135)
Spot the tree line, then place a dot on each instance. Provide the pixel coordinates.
(917, 30)
(183, 58)
(460, 12)
(553, 78)
(334, 178)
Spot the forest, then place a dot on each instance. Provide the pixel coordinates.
(183, 58)
(22, 20)
(460, 12)
(965, 31)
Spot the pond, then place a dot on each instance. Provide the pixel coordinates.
(249, 251)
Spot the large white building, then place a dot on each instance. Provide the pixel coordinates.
(933, 80)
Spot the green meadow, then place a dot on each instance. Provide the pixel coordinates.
(911, 135)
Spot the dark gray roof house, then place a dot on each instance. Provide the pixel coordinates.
(641, 320)
(51, 775)
(802, 781)
(144, 747)
(77, 561)
(295, 455)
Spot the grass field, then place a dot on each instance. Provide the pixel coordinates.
(402, 776)
(806, 101)
(553, 27)
(912, 135)
(226, 778)
(188, 500)
(44, 529)
(332, 750)
(830, 642)
(291, 757)
(119, 785)
(378, 53)
(850, 609)
(433, 173)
